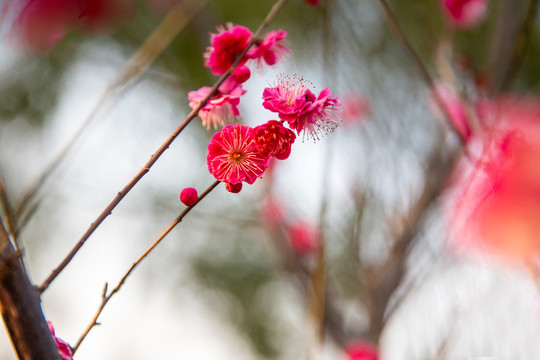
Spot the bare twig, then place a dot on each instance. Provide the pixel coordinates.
(130, 74)
(146, 168)
(106, 297)
(391, 272)
(11, 223)
(509, 42)
(426, 77)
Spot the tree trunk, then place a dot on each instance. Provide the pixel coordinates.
(21, 308)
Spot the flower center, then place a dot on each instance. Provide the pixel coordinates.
(236, 156)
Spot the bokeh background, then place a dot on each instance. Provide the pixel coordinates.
(226, 283)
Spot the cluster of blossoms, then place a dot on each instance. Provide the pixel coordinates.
(240, 153)
(226, 46)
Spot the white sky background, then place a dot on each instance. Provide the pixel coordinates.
(488, 311)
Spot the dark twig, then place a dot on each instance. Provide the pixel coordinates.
(426, 77)
(146, 168)
(520, 45)
(391, 272)
(106, 297)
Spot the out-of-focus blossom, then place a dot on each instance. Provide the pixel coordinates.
(355, 109)
(273, 212)
(227, 44)
(101, 15)
(300, 108)
(303, 237)
(495, 203)
(270, 50)
(313, 2)
(360, 350)
(189, 196)
(455, 109)
(63, 348)
(464, 13)
(274, 140)
(233, 156)
(40, 24)
(222, 107)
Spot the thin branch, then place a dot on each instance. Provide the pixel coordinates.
(130, 74)
(316, 294)
(426, 77)
(146, 168)
(106, 297)
(11, 223)
(520, 46)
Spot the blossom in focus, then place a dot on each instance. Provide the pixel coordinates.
(455, 109)
(189, 196)
(40, 24)
(494, 205)
(226, 45)
(296, 104)
(222, 107)
(356, 108)
(303, 237)
(233, 156)
(270, 49)
(360, 350)
(318, 116)
(287, 97)
(274, 140)
(63, 348)
(464, 13)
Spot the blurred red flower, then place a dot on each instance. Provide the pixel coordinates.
(495, 205)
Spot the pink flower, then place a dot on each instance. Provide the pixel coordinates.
(298, 106)
(222, 107)
(318, 116)
(360, 350)
(464, 13)
(271, 49)
(287, 97)
(274, 140)
(233, 156)
(63, 348)
(227, 45)
(303, 238)
(313, 2)
(189, 196)
(494, 204)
